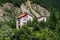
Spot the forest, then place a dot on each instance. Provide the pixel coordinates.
(41, 30)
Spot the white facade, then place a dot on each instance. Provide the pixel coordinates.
(42, 19)
(23, 20)
(30, 18)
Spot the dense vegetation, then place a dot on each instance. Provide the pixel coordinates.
(41, 31)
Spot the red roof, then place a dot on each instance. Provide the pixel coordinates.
(23, 15)
(41, 17)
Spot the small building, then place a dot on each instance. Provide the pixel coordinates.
(23, 19)
(41, 18)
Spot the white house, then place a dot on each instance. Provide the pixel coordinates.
(27, 16)
(23, 19)
(41, 18)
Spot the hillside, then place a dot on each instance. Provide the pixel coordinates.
(10, 9)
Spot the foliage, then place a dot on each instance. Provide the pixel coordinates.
(41, 31)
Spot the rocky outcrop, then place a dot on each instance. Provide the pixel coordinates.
(37, 10)
(9, 8)
(41, 10)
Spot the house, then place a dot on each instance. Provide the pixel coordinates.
(23, 19)
(41, 18)
(27, 16)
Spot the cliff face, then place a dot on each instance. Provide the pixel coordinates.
(9, 11)
(41, 10)
(36, 9)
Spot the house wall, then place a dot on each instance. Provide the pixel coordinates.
(30, 18)
(23, 21)
(42, 19)
(45, 19)
(17, 23)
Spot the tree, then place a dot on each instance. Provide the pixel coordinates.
(6, 31)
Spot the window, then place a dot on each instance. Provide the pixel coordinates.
(24, 19)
